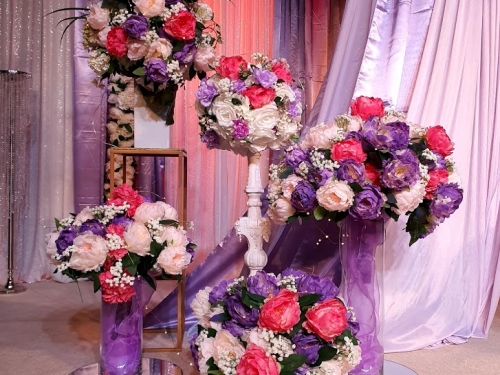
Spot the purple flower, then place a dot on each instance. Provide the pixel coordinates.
(65, 239)
(136, 26)
(294, 109)
(367, 203)
(354, 135)
(233, 328)
(95, 227)
(240, 313)
(219, 292)
(351, 171)
(353, 327)
(296, 156)
(307, 345)
(206, 92)
(264, 77)
(211, 139)
(298, 93)
(319, 177)
(263, 284)
(194, 349)
(238, 86)
(312, 284)
(446, 201)
(240, 129)
(440, 163)
(298, 274)
(400, 172)
(156, 70)
(171, 2)
(186, 54)
(390, 136)
(303, 198)
(121, 220)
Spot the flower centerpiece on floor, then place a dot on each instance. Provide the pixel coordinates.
(159, 43)
(370, 164)
(249, 106)
(293, 323)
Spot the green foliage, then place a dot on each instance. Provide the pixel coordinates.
(319, 213)
(292, 363)
(252, 300)
(309, 299)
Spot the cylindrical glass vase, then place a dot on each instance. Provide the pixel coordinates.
(362, 257)
(121, 335)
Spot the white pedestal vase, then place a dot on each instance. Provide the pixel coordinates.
(254, 227)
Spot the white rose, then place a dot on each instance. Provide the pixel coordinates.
(127, 118)
(203, 12)
(136, 49)
(174, 236)
(102, 36)
(137, 238)
(205, 352)
(90, 252)
(280, 211)
(83, 216)
(409, 199)
(174, 259)
(204, 58)
(335, 195)
(50, 241)
(226, 345)
(150, 8)
(203, 311)
(225, 112)
(320, 136)
(285, 91)
(98, 17)
(113, 99)
(112, 127)
(288, 185)
(331, 367)
(262, 134)
(147, 211)
(126, 99)
(161, 48)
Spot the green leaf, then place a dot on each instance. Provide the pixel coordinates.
(291, 219)
(356, 187)
(391, 198)
(132, 269)
(391, 214)
(129, 128)
(222, 317)
(97, 282)
(172, 223)
(319, 213)
(285, 173)
(236, 101)
(155, 248)
(139, 71)
(149, 280)
(309, 299)
(292, 362)
(211, 332)
(58, 223)
(251, 300)
(326, 353)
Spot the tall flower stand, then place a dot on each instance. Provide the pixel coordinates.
(254, 227)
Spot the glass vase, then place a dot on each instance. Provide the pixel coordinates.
(121, 335)
(362, 257)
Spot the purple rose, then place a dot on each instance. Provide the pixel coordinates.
(156, 70)
(211, 139)
(233, 328)
(296, 156)
(186, 54)
(367, 203)
(238, 86)
(400, 172)
(446, 201)
(219, 292)
(353, 327)
(319, 177)
(390, 136)
(303, 198)
(240, 129)
(93, 226)
(206, 92)
(354, 135)
(312, 284)
(307, 345)
(136, 26)
(241, 313)
(263, 284)
(351, 171)
(264, 77)
(65, 239)
(121, 220)
(440, 163)
(298, 274)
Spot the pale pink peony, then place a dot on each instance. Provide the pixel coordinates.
(174, 236)
(150, 8)
(204, 58)
(136, 49)
(169, 213)
(174, 259)
(320, 136)
(205, 352)
(409, 199)
(98, 17)
(226, 345)
(90, 252)
(280, 211)
(148, 211)
(202, 308)
(335, 195)
(102, 36)
(288, 185)
(331, 367)
(84, 215)
(160, 49)
(137, 238)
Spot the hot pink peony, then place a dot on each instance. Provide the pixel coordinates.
(280, 313)
(255, 361)
(259, 96)
(125, 194)
(348, 149)
(116, 42)
(181, 25)
(366, 107)
(438, 141)
(327, 319)
(230, 67)
(437, 177)
(281, 70)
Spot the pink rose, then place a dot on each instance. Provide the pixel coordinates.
(320, 136)
(259, 96)
(348, 149)
(90, 253)
(255, 361)
(280, 211)
(174, 259)
(438, 141)
(327, 319)
(280, 68)
(98, 17)
(125, 194)
(116, 43)
(161, 48)
(204, 58)
(280, 313)
(150, 8)
(136, 49)
(372, 174)
(102, 36)
(181, 25)
(230, 67)
(436, 178)
(335, 195)
(366, 107)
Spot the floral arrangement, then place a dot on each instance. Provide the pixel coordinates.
(118, 241)
(293, 323)
(249, 107)
(370, 164)
(159, 43)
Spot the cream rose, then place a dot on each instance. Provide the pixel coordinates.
(285, 91)
(137, 238)
(355, 124)
(102, 36)
(136, 49)
(280, 211)
(331, 367)
(203, 12)
(115, 113)
(226, 345)
(90, 252)
(288, 185)
(148, 211)
(127, 118)
(126, 98)
(161, 48)
(335, 195)
(409, 199)
(150, 8)
(320, 136)
(204, 58)
(98, 17)
(225, 112)
(174, 236)
(205, 352)
(203, 311)
(174, 259)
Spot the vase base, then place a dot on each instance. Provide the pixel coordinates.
(150, 366)
(393, 368)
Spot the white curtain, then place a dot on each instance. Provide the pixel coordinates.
(30, 41)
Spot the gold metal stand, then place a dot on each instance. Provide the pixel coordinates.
(182, 212)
